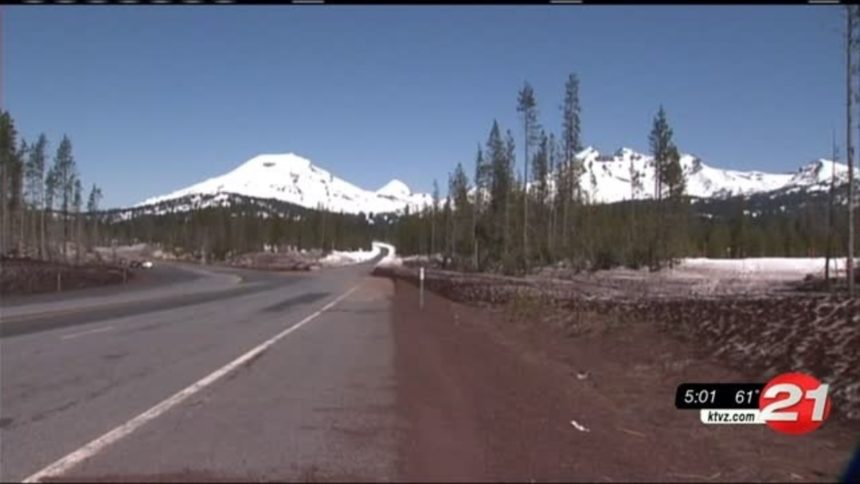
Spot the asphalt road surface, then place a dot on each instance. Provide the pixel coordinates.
(281, 401)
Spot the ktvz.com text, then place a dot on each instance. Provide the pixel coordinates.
(732, 416)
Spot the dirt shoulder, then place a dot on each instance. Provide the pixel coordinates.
(491, 393)
(760, 334)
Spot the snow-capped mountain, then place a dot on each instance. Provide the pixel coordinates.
(294, 179)
(608, 178)
(605, 178)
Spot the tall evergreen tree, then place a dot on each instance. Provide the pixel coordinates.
(36, 188)
(459, 192)
(448, 232)
(676, 224)
(434, 216)
(527, 107)
(8, 136)
(499, 191)
(571, 145)
(16, 196)
(77, 203)
(92, 209)
(483, 187)
(673, 174)
(65, 173)
(51, 189)
(509, 162)
(540, 173)
(540, 170)
(660, 141)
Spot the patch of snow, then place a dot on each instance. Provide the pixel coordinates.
(760, 267)
(340, 258)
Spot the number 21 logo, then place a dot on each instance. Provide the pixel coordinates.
(794, 403)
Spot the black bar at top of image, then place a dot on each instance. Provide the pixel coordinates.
(559, 3)
(717, 395)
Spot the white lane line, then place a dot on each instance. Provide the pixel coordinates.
(63, 465)
(83, 333)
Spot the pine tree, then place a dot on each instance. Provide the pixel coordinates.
(636, 186)
(527, 107)
(483, 185)
(673, 180)
(673, 174)
(511, 185)
(77, 202)
(16, 196)
(51, 189)
(660, 141)
(540, 170)
(36, 189)
(571, 145)
(540, 173)
(8, 137)
(433, 217)
(500, 182)
(65, 173)
(92, 209)
(448, 235)
(459, 192)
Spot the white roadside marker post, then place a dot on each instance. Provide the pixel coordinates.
(421, 288)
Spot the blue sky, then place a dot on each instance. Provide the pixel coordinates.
(156, 98)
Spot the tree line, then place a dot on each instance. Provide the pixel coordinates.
(218, 229)
(509, 220)
(512, 221)
(41, 200)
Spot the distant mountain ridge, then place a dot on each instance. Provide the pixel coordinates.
(606, 178)
(294, 179)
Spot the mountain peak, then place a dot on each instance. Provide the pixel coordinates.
(395, 188)
(279, 160)
(819, 171)
(626, 154)
(293, 178)
(588, 152)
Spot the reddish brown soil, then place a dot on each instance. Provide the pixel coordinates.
(489, 394)
(761, 335)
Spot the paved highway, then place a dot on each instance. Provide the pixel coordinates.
(122, 384)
